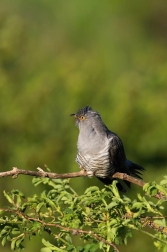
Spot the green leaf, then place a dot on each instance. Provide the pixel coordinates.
(113, 222)
(161, 222)
(3, 242)
(68, 238)
(37, 181)
(70, 248)
(112, 204)
(15, 231)
(91, 189)
(24, 207)
(162, 189)
(158, 244)
(146, 186)
(51, 246)
(137, 214)
(4, 231)
(50, 203)
(39, 206)
(46, 243)
(90, 247)
(101, 245)
(140, 197)
(19, 241)
(115, 189)
(80, 249)
(137, 205)
(13, 244)
(128, 234)
(8, 197)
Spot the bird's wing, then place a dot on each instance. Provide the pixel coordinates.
(117, 153)
(118, 158)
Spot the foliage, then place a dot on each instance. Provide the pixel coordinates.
(103, 219)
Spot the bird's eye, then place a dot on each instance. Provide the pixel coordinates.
(82, 118)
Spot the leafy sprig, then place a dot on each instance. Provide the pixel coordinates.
(103, 219)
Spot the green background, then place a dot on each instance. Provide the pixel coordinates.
(58, 56)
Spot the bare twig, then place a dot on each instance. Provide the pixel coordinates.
(40, 173)
(124, 176)
(82, 173)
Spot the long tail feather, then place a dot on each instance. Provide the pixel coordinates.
(135, 169)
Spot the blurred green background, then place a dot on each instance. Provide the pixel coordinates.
(58, 56)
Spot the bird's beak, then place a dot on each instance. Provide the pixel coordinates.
(74, 115)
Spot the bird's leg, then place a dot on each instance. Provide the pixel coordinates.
(90, 174)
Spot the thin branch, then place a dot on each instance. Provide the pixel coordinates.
(74, 231)
(145, 221)
(149, 222)
(82, 173)
(40, 173)
(124, 176)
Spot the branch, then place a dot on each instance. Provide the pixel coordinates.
(82, 173)
(40, 173)
(149, 222)
(73, 231)
(124, 176)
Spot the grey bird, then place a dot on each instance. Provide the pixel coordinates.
(100, 151)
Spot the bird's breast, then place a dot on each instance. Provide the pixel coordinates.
(92, 142)
(95, 158)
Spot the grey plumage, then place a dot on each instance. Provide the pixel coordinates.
(100, 151)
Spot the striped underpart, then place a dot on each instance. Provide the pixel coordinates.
(98, 164)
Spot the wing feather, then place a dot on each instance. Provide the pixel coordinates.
(117, 153)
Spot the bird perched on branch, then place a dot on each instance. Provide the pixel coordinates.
(100, 151)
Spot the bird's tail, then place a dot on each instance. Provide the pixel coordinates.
(134, 170)
(131, 169)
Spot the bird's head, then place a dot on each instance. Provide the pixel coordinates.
(86, 117)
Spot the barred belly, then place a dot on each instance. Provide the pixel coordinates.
(98, 164)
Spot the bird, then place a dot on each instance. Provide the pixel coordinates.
(100, 151)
